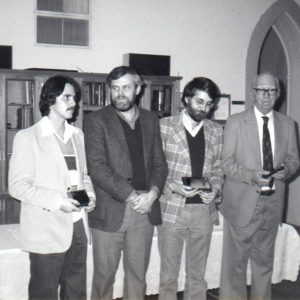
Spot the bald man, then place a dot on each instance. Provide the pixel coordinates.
(257, 142)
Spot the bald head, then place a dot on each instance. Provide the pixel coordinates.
(265, 91)
(265, 79)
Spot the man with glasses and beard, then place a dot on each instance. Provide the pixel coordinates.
(257, 143)
(128, 168)
(192, 144)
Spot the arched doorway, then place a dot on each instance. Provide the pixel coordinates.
(272, 59)
(274, 46)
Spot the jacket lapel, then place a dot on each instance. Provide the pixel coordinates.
(253, 136)
(147, 133)
(49, 145)
(209, 149)
(115, 127)
(279, 136)
(79, 154)
(180, 139)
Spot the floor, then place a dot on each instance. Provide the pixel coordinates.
(285, 290)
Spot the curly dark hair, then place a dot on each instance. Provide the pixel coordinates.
(203, 84)
(54, 87)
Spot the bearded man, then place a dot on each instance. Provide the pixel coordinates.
(192, 145)
(128, 168)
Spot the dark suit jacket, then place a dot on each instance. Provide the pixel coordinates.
(109, 165)
(241, 155)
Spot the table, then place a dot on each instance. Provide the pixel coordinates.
(14, 264)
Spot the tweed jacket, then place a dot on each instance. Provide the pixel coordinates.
(178, 158)
(241, 156)
(38, 177)
(109, 165)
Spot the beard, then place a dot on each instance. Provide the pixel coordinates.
(122, 103)
(197, 116)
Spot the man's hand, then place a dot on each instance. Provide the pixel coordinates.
(143, 202)
(259, 179)
(91, 205)
(280, 175)
(69, 205)
(209, 197)
(184, 190)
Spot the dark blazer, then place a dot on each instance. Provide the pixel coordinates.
(109, 165)
(241, 155)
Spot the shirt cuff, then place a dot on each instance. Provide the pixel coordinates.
(132, 195)
(155, 189)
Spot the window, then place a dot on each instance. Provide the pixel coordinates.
(63, 22)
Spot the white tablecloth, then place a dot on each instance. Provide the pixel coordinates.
(14, 264)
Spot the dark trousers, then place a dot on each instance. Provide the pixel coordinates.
(67, 270)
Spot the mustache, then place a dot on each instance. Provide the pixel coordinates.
(199, 112)
(122, 98)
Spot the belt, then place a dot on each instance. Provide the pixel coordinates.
(193, 200)
(267, 193)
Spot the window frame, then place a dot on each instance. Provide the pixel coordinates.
(62, 16)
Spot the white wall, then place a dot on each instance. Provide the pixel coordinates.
(204, 37)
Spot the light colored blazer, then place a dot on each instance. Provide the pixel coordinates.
(241, 156)
(38, 177)
(178, 158)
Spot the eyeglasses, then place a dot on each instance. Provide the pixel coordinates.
(202, 102)
(270, 92)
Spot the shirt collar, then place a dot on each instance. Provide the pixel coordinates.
(48, 129)
(259, 115)
(189, 124)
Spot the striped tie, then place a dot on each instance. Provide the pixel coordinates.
(267, 149)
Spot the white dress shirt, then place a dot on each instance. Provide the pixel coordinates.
(260, 123)
(190, 125)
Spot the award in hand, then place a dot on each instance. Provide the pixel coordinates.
(81, 196)
(201, 183)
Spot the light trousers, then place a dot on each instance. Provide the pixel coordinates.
(134, 238)
(256, 242)
(194, 228)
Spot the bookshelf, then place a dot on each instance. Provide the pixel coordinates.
(19, 97)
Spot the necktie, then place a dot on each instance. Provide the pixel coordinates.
(267, 149)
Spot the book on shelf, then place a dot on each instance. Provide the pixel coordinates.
(157, 102)
(20, 118)
(86, 94)
(103, 94)
(94, 94)
(168, 100)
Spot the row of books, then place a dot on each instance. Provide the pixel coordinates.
(94, 93)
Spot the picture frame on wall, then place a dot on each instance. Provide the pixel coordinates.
(237, 106)
(222, 111)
